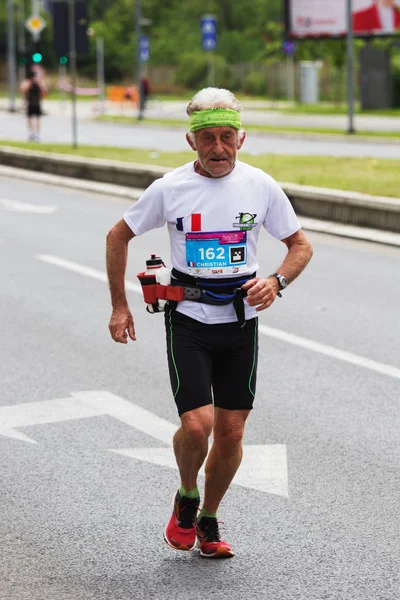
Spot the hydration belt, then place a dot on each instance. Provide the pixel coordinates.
(220, 291)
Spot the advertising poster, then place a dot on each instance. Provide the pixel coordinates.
(324, 18)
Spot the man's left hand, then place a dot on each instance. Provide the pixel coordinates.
(261, 292)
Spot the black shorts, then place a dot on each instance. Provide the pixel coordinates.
(34, 111)
(211, 363)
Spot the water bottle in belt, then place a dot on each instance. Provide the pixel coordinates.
(156, 274)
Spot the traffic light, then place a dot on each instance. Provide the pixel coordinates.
(36, 53)
(60, 14)
(63, 60)
(23, 58)
(37, 57)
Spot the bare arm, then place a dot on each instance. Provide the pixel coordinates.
(121, 322)
(261, 292)
(24, 87)
(299, 255)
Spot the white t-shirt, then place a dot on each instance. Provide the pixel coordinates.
(213, 225)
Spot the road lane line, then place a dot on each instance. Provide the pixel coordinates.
(264, 467)
(354, 359)
(25, 207)
(349, 357)
(82, 270)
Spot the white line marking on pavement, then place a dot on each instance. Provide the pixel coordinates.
(83, 405)
(264, 468)
(16, 435)
(82, 270)
(290, 338)
(16, 206)
(348, 357)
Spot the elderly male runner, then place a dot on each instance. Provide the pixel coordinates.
(214, 208)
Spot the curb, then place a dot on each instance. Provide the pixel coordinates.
(133, 194)
(340, 136)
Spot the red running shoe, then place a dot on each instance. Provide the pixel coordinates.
(209, 540)
(180, 533)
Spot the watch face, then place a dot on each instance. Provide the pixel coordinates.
(283, 281)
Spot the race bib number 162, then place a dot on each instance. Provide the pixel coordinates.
(216, 252)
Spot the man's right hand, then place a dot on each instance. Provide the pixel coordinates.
(121, 324)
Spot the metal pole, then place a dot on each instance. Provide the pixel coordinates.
(62, 72)
(11, 55)
(290, 74)
(100, 71)
(72, 58)
(211, 69)
(350, 68)
(35, 11)
(139, 62)
(21, 39)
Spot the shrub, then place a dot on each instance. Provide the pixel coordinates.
(395, 68)
(194, 71)
(255, 84)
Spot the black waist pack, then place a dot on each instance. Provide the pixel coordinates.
(219, 291)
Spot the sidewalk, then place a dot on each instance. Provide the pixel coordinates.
(254, 113)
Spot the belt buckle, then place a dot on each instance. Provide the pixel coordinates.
(192, 293)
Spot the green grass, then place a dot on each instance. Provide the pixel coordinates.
(260, 128)
(329, 108)
(54, 96)
(59, 95)
(378, 177)
(279, 105)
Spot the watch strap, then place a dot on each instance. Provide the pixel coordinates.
(277, 276)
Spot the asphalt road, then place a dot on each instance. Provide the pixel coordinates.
(57, 128)
(317, 519)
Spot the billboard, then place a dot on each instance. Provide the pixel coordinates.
(327, 18)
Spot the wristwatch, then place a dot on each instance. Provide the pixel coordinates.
(282, 282)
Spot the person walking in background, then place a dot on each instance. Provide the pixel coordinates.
(144, 91)
(214, 207)
(383, 16)
(33, 90)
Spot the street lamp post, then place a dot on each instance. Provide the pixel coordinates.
(142, 54)
(350, 67)
(11, 55)
(138, 57)
(21, 39)
(100, 64)
(100, 71)
(72, 58)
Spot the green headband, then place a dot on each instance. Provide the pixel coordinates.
(214, 117)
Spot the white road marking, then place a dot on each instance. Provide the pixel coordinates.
(80, 406)
(25, 207)
(17, 435)
(82, 270)
(349, 357)
(264, 468)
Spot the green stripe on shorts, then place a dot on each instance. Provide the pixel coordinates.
(173, 357)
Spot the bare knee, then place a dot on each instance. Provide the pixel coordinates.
(196, 428)
(229, 435)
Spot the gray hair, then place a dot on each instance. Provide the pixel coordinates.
(211, 97)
